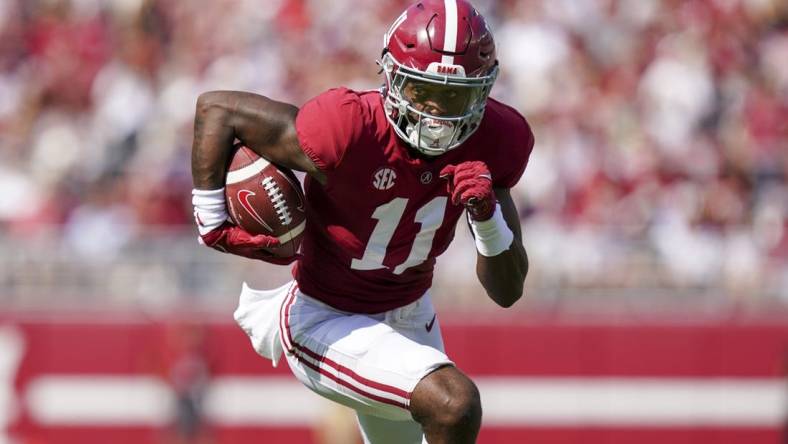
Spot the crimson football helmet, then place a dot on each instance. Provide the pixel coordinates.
(444, 51)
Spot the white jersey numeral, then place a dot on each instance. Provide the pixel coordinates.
(388, 215)
(430, 217)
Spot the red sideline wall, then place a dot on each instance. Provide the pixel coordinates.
(735, 351)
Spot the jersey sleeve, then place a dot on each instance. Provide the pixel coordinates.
(515, 145)
(329, 125)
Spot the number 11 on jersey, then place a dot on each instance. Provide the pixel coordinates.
(389, 215)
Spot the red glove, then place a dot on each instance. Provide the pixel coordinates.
(470, 184)
(229, 238)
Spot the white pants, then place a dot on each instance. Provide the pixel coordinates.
(370, 363)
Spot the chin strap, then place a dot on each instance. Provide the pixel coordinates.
(492, 236)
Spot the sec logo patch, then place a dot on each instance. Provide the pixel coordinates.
(384, 178)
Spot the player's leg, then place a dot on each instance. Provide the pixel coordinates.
(447, 405)
(337, 425)
(445, 402)
(447, 409)
(377, 430)
(359, 361)
(418, 322)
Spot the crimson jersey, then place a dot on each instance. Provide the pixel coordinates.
(374, 230)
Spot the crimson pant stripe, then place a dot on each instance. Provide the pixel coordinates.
(283, 314)
(338, 367)
(295, 348)
(341, 382)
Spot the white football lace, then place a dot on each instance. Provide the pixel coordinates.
(278, 200)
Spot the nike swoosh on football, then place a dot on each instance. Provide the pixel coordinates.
(429, 325)
(243, 198)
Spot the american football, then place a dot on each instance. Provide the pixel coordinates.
(264, 198)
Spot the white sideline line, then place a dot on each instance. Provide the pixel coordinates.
(634, 401)
(243, 401)
(99, 400)
(567, 402)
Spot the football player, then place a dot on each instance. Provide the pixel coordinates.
(389, 174)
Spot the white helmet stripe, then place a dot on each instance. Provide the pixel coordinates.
(450, 37)
(394, 27)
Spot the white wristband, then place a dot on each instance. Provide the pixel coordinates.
(492, 236)
(210, 209)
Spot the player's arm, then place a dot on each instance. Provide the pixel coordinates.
(503, 275)
(501, 263)
(264, 125)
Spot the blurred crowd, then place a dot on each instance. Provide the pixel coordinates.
(662, 145)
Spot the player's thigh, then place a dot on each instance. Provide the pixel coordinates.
(377, 430)
(356, 360)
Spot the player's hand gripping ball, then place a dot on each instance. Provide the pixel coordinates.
(470, 184)
(267, 203)
(229, 238)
